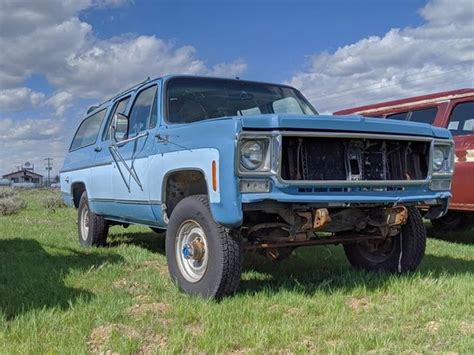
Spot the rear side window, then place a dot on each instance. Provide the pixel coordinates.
(462, 119)
(424, 115)
(398, 116)
(88, 130)
(142, 111)
(119, 107)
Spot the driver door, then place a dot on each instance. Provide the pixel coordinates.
(130, 182)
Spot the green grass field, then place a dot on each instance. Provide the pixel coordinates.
(57, 297)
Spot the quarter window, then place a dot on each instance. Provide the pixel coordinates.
(424, 115)
(88, 131)
(462, 119)
(141, 111)
(398, 116)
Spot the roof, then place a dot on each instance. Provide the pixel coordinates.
(23, 170)
(435, 97)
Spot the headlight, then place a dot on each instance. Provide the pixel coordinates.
(255, 155)
(252, 155)
(443, 159)
(438, 159)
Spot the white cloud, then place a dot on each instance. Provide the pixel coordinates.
(30, 129)
(228, 70)
(61, 101)
(435, 56)
(47, 37)
(31, 140)
(19, 99)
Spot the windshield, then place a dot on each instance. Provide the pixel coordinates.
(195, 99)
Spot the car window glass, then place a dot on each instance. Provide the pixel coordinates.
(426, 115)
(88, 130)
(398, 116)
(154, 113)
(286, 105)
(194, 99)
(141, 110)
(462, 119)
(249, 112)
(119, 107)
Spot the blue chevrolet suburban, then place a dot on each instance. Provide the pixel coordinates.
(226, 166)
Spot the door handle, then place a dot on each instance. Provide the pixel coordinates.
(98, 148)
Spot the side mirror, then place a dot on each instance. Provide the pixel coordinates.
(119, 127)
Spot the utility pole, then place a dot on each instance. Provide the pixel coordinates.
(49, 167)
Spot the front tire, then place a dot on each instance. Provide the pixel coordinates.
(92, 229)
(401, 253)
(204, 258)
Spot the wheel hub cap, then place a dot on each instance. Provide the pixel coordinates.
(191, 251)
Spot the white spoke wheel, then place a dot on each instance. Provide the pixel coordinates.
(191, 251)
(84, 223)
(204, 258)
(92, 229)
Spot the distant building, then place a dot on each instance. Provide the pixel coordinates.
(24, 175)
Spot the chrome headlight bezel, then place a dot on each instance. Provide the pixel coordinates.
(265, 167)
(444, 166)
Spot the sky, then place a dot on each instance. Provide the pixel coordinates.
(59, 57)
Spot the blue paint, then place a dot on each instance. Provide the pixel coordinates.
(94, 167)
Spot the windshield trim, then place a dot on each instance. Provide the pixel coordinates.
(169, 79)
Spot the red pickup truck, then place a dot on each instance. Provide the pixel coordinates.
(453, 110)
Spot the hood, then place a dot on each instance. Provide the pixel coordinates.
(352, 123)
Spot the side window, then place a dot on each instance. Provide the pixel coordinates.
(141, 111)
(88, 131)
(119, 107)
(462, 119)
(402, 116)
(426, 115)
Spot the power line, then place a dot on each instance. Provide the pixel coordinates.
(49, 167)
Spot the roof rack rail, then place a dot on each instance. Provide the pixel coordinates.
(129, 89)
(94, 107)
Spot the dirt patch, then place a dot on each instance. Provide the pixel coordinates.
(157, 265)
(433, 326)
(139, 310)
(467, 328)
(195, 329)
(309, 345)
(358, 304)
(293, 311)
(152, 343)
(242, 351)
(100, 336)
(142, 299)
(132, 287)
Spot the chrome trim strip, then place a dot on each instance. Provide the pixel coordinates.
(122, 201)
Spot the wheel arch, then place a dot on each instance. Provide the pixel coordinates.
(181, 183)
(77, 189)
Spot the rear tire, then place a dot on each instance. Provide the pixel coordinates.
(401, 253)
(204, 258)
(92, 229)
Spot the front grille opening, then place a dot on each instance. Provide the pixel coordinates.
(331, 159)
